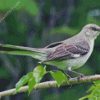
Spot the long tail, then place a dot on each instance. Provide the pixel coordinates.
(39, 54)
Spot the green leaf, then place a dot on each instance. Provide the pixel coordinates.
(93, 98)
(39, 72)
(59, 77)
(91, 88)
(97, 82)
(94, 91)
(23, 80)
(84, 98)
(32, 78)
(31, 84)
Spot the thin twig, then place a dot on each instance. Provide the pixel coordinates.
(9, 11)
(52, 84)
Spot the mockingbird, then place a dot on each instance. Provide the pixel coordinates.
(69, 54)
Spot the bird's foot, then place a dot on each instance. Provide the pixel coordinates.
(74, 74)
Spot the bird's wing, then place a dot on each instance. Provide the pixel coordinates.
(69, 51)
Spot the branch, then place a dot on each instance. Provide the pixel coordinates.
(52, 84)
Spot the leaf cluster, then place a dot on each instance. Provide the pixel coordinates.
(34, 77)
(93, 92)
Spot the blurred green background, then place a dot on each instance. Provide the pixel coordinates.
(36, 23)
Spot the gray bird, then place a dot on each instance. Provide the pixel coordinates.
(69, 54)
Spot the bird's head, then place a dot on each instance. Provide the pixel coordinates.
(91, 31)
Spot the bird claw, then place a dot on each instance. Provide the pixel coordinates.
(74, 73)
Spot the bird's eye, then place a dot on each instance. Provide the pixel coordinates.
(94, 29)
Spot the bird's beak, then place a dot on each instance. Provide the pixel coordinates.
(99, 29)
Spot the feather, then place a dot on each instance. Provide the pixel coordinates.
(65, 51)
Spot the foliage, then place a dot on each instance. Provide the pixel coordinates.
(33, 78)
(23, 80)
(28, 5)
(59, 77)
(93, 92)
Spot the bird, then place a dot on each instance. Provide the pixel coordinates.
(69, 54)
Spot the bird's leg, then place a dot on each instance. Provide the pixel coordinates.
(77, 73)
(74, 73)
